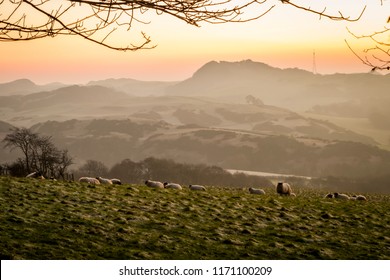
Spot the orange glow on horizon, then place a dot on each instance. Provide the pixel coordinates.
(285, 38)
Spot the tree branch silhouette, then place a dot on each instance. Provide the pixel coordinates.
(102, 21)
(99, 20)
(378, 56)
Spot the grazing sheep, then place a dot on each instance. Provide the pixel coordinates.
(197, 188)
(104, 181)
(116, 181)
(172, 186)
(36, 175)
(154, 184)
(283, 188)
(361, 197)
(89, 180)
(329, 195)
(358, 197)
(256, 191)
(341, 196)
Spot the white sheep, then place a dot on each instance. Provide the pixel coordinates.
(361, 197)
(89, 180)
(256, 191)
(154, 184)
(283, 189)
(104, 181)
(116, 181)
(341, 196)
(197, 188)
(172, 186)
(36, 175)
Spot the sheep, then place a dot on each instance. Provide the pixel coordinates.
(197, 188)
(341, 196)
(283, 188)
(361, 197)
(154, 184)
(329, 195)
(36, 175)
(104, 181)
(172, 186)
(89, 180)
(256, 191)
(116, 181)
(358, 197)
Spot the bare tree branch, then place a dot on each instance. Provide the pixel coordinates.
(323, 13)
(100, 20)
(377, 56)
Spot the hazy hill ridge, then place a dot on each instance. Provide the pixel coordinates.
(25, 86)
(111, 141)
(290, 88)
(90, 102)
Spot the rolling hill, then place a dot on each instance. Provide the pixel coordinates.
(25, 86)
(111, 141)
(97, 102)
(295, 89)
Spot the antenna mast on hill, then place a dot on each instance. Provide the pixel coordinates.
(314, 62)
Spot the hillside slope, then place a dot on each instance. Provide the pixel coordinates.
(49, 220)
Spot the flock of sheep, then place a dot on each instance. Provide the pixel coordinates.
(281, 188)
(345, 196)
(100, 180)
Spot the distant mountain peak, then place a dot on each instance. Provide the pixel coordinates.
(226, 66)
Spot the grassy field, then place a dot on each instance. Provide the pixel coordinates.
(69, 220)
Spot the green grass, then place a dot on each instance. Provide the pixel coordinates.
(70, 220)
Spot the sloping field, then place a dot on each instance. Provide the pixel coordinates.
(69, 220)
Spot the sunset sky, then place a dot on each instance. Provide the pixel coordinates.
(285, 37)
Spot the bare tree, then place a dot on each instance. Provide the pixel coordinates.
(24, 139)
(65, 160)
(40, 154)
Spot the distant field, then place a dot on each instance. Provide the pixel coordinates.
(68, 220)
(359, 125)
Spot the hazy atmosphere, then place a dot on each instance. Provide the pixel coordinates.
(254, 114)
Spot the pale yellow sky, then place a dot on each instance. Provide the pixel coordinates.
(284, 38)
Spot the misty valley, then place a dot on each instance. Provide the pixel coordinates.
(319, 133)
(236, 115)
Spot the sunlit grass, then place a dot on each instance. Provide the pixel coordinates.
(69, 220)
